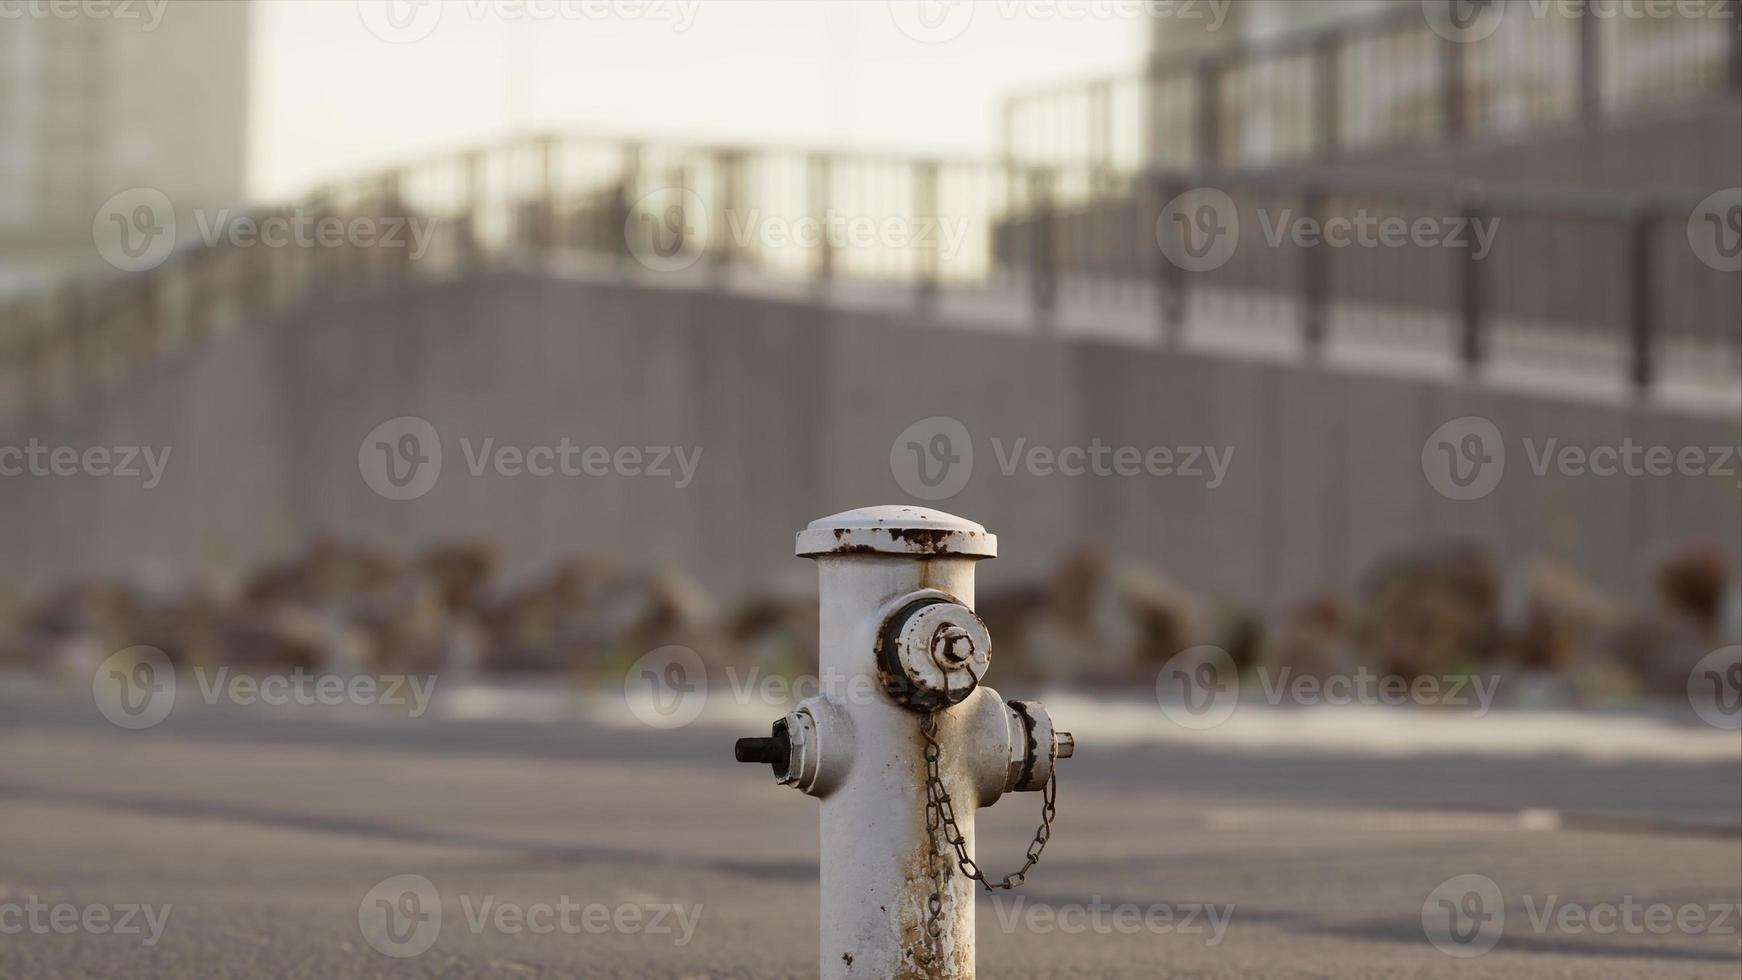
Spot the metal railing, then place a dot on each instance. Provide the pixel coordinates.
(1565, 275)
(1381, 82)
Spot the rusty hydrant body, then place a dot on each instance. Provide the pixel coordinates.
(902, 656)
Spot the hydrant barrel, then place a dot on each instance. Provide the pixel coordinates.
(879, 872)
(905, 744)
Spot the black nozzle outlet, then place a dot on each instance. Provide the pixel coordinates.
(775, 750)
(769, 751)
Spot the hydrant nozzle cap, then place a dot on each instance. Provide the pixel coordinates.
(896, 530)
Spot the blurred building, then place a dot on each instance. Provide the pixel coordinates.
(94, 105)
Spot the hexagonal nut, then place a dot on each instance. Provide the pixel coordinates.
(933, 651)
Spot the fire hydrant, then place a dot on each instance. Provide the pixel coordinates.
(904, 743)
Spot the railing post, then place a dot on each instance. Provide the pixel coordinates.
(1472, 342)
(1101, 126)
(1043, 257)
(616, 236)
(1636, 277)
(1454, 106)
(729, 165)
(548, 150)
(1327, 97)
(1209, 121)
(1314, 271)
(1590, 66)
(926, 257)
(1735, 23)
(819, 177)
(1170, 277)
(473, 243)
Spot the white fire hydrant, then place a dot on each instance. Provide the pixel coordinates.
(904, 744)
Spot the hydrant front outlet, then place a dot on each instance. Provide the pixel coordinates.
(905, 743)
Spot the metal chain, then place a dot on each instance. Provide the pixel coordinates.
(941, 816)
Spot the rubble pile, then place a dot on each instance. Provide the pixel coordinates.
(1099, 620)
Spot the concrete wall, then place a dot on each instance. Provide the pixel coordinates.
(796, 409)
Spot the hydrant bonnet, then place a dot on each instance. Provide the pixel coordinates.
(896, 530)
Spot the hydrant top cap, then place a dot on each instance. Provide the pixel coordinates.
(896, 530)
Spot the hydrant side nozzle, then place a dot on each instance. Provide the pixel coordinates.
(1067, 744)
(774, 750)
(766, 751)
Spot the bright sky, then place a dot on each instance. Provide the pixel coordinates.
(331, 97)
